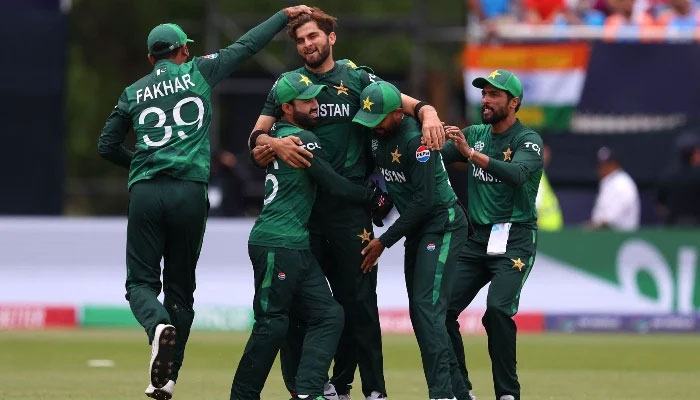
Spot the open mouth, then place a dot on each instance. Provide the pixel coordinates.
(313, 113)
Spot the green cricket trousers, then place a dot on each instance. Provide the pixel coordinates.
(429, 266)
(287, 279)
(507, 273)
(338, 233)
(167, 217)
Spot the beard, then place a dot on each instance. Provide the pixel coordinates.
(389, 130)
(305, 120)
(323, 54)
(496, 115)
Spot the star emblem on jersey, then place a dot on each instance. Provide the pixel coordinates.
(517, 264)
(342, 89)
(365, 236)
(494, 74)
(366, 104)
(352, 64)
(507, 154)
(305, 79)
(395, 155)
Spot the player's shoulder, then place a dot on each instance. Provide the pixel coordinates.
(360, 73)
(410, 129)
(525, 132)
(346, 63)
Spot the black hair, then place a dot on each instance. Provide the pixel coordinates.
(510, 97)
(160, 46)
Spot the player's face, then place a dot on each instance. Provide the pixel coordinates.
(389, 124)
(494, 105)
(305, 113)
(313, 45)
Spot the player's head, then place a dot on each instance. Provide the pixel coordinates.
(296, 95)
(607, 162)
(380, 108)
(314, 35)
(168, 41)
(501, 95)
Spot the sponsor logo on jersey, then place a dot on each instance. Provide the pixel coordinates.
(375, 146)
(311, 146)
(483, 176)
(393, 176)
(533, 146)
(165, 88)
(431, 247)
(211, 56)
(334, 110)
(478, 146)
(422, 154)
(281, 276)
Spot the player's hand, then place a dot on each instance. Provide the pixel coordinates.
(289, 150)
(296, 10)
(458, 138)
(380, 204)
(433, 132)
(371, 252)
(263, 155)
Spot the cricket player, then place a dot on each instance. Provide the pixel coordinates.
(170, 112)
(505, 166)
(339, 230)
(431, 219)
(286, 273)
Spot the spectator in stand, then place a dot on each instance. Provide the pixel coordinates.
(581, 12)
(680, 188)
(680, 14)
(622, 13)
(542, 11)
(617, 206)
(490, 13)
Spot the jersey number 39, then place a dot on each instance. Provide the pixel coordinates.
(176, 116)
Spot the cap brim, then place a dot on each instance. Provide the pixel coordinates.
(367, 119)
(189, 41)
(481, 82)
(311, 92)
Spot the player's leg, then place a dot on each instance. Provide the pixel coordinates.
(510, 272)
(185, 220)
(471, 274)
(145, 242)
(357, 293)
(324, 319)
(277, 274)
(435, 257)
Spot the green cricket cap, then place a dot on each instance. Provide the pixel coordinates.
(502, 79)
(376, 101)
(170, 34)
(294, 85)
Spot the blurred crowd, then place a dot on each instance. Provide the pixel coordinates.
(681, 14)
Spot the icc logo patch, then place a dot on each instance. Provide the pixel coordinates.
(431, 247)
(422, 154)
(281, 276)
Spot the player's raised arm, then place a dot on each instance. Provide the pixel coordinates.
(433, 132)
(111, 142)
(220, 65)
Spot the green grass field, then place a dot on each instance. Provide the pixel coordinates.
(54, 365)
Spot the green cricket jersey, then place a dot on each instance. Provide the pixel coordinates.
(417, 183)
(506, 190)
(170, 111)
(290, 194)
(345, 144)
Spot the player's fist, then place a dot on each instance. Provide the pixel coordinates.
(380, 204)
(296, 10)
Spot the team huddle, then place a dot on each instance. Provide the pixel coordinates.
(324, 128)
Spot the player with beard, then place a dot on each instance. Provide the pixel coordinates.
(431, 219)
(339, 230)
(505, 166)
(286, 273)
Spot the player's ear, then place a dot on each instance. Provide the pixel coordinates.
(331, 38)
(287, 108)
(151, 59)
(185, 51)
